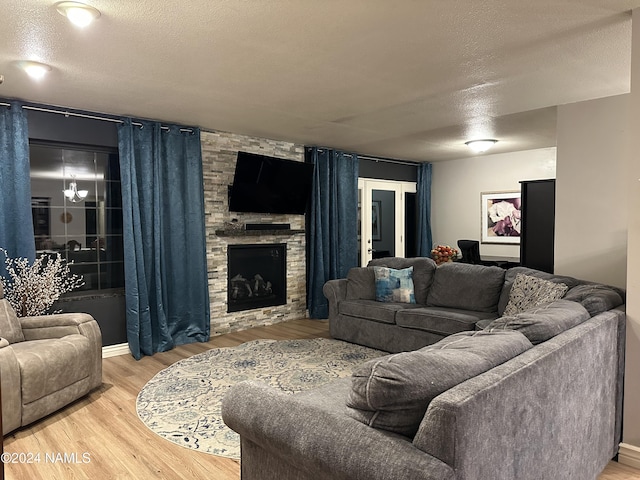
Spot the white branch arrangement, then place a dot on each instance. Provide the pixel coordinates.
(31, 289)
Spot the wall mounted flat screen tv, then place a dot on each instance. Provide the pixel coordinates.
(263, 184)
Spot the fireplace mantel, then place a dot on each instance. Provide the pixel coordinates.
(229, 232)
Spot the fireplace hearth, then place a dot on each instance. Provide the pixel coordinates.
(257, 276)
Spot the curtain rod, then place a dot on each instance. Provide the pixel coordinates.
(377, 159)
(84, 115)
(137, 124)
(389, 160)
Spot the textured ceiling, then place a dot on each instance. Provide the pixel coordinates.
(403, 79)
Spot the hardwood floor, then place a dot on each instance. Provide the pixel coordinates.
(102, 436)
(616, 471)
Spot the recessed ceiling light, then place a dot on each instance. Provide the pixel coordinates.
(78, 13)
(480, 146)
(35, 70)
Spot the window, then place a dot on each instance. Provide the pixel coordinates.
(85, 228)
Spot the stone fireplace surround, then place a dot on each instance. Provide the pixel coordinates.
(219, 151)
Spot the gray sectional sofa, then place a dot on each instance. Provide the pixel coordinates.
(530, 390)
(450, 302)
(450, 298)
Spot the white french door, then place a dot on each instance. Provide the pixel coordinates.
(381, 227)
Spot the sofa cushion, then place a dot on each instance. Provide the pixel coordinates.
(441, 320)
(361, 284)
(394, 285)
(544, 321)
(528, 292)
(49, 365)
(372, 310)
(423, 272)
(595, 298)
(510, 277)
(393, 392)
(10, 328)
(466, 286)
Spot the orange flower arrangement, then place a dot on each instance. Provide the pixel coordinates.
(443, 253)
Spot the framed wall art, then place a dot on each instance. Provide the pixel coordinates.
(501, 221)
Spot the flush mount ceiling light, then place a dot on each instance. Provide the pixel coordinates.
(78, 13)
(35, 70)
(480, 146)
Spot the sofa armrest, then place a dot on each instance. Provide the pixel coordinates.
(10, 385)
(57, 325)
(335, 291)
(519, 419)
(323, 443)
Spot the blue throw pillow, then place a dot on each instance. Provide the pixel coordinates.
(394, 285)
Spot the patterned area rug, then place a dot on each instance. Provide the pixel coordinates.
(182, 402)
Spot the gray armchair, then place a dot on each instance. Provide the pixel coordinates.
(46, 362)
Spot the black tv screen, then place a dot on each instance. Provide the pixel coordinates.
(263, 184)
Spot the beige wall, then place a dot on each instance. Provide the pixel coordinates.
(631, 426)
(457, 185)
(597, 207)
(591, 198)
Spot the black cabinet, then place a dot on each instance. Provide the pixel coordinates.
(538, 224)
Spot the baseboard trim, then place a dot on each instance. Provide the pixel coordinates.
(629, 455)
(115, 350)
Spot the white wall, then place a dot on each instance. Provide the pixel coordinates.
(458, 184)
(591, 198)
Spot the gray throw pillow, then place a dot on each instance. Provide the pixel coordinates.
(468, 287)
(595, 298)
(528, 292)
(511, 274)
(393, 392)
(542, 322)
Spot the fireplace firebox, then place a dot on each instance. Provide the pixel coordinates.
(257, 276)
